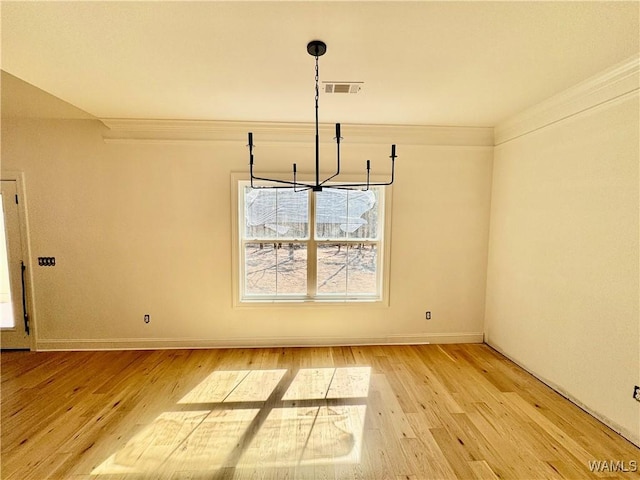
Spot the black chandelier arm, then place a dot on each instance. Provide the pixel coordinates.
(338, 138)
(304, 186)
(296, 184)
(288, 186)
(368, 183)
(250, 145)
(284, 183)
(350, 186)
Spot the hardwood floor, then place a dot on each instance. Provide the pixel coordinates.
(396, 412)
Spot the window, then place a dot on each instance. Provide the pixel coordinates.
(310, 246)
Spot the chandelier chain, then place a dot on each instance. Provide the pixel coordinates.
(317, 90)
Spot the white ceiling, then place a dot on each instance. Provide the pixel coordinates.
(422, 63)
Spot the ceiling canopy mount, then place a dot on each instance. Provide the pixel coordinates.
(316, 48)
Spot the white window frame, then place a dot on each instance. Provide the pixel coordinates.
(311, 298)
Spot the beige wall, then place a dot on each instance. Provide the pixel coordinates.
(145, 228)
(562, 287)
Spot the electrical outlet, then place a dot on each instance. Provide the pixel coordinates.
(147, 318)
(427, 315)
(636, 392)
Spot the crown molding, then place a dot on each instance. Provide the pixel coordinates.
(272, 133)
(611, 84)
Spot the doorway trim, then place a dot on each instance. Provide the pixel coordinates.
(25, 241)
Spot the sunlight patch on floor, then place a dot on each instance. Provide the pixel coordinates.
(235, 386)
(193, 439)
(306, 436)
(233, 419)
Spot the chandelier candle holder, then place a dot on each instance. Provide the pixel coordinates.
(317, 48)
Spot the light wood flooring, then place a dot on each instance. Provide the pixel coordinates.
(396, 412)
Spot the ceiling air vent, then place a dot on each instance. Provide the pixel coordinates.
(342, 87)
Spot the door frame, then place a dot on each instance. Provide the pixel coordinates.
(18, 177)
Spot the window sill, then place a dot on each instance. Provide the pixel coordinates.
(311, 302)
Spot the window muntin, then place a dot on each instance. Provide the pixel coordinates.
(306, 246)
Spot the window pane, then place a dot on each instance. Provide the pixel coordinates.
(361, 270)
(347, 269)
(275, 268)
(276, 213)
(347, 214)
(332, 269)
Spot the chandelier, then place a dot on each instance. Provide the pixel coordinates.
(317, 48)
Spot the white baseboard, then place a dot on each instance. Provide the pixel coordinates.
(424, 338)
(633, 437)
(260, 342)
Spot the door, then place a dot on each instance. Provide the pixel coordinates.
(14, 325)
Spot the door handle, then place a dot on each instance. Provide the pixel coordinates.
(24, 299)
